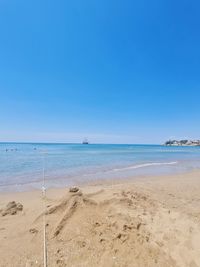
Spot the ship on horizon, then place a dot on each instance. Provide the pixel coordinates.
(85, 141)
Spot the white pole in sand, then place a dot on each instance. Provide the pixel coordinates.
(44, 216)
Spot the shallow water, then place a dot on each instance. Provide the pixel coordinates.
(21, 165)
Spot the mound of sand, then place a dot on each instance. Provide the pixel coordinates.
(11, 208)
(86, 231)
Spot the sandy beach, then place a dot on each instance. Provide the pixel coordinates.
(152, 221)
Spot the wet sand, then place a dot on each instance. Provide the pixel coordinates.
(142, 222)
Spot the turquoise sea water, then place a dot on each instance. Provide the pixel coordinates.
(21, 165)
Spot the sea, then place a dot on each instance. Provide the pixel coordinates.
(25, 166)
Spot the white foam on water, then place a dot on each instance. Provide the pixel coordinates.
(146, 165)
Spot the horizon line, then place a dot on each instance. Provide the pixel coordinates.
(73, 143)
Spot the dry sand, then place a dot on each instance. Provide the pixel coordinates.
(145, 222)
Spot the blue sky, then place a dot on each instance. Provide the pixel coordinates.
(114, 71)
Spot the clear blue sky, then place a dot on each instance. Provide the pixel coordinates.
(114, 71)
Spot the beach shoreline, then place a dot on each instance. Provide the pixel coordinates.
(151, 221)
(38, 185)
(21, 167)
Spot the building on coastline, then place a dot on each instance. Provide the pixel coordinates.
(182, 143)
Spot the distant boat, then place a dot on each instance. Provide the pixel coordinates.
(85, 142)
